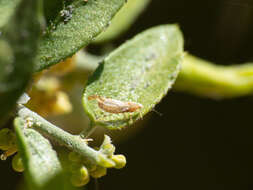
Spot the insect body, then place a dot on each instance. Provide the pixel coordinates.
(115, 106)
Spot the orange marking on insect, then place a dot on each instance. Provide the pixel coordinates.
(115, 106)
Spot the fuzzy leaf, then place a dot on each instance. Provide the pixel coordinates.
(141, 70)
(18, 44)
(82, 22)
(123, 19)
(7, 9)
(42, 167)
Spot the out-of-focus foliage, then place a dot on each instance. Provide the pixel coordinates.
(7, 8)
(18, 44)
(207, 79)
(74, 27)
(123, 19)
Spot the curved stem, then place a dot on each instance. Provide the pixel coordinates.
(204, 78)
(73, 142)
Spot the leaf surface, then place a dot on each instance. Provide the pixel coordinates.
(42, 167)
(74, 28)
(123, 19)
(141, 71)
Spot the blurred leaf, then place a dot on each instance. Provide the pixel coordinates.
(7, 9)
(78, 26)
(123, 19)
(18, 44)
(42, 167)
(142, 70)
(52, 8)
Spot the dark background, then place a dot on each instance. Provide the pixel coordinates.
(197, 143)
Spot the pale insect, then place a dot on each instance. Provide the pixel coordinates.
(115, 106)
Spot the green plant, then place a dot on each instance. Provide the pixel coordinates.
(35, 38)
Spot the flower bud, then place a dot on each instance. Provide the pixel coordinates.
(104, 161)
(17, 163)
(80, 177)
(7, 139)
(74, 157)
(107, 147)
(74, 167)
(63, 67)
(47, 89)
(89, 165)
(62, 104)
(99, 172)
(120, 161)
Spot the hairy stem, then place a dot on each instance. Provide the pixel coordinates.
(73, 142)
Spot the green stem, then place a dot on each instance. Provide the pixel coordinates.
(88, 131)
(87, 61)
(73, 142)
(204, 78)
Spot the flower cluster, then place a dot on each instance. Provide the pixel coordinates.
(81, 169)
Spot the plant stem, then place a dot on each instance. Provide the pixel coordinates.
(88, 131)
(86, 61)
(73, 142)
(204, 78)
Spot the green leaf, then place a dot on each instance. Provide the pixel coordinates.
(42, 167)
(7, 9)
(123, 19)
(18, 44)
(142, 70)
(52, 8)
(64, 38)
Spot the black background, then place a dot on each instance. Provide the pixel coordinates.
(197, 143)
